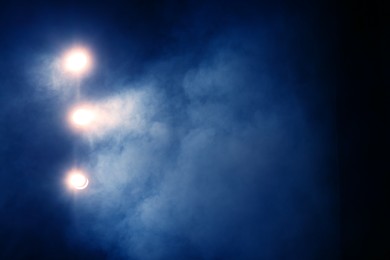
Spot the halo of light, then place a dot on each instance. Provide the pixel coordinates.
(77, 60)
(82, 116)
(77, 180)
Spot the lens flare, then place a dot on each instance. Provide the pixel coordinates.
(77, 61)
(77, 180)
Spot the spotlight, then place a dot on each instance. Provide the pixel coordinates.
(77, 61)
(82, 117)
(77, 180)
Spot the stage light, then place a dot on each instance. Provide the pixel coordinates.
(77, 180)
(77, 61)
(82, 116)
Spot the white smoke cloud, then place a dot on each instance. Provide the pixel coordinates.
(218, 164)
(127, 114)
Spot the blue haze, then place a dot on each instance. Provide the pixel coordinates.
(224, 147)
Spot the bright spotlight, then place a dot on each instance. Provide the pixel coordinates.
(77, 180)
(82, 117)
(77, 61)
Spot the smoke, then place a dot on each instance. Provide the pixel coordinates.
(128, 114)
(214, 157)
(228, 167)
(211, 140)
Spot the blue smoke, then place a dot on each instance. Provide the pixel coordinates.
(225, 162)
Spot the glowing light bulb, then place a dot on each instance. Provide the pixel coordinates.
(82, 117)
(77, 180)
(77, 61)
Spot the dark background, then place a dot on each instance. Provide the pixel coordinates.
(362, 119)
(329, 56)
